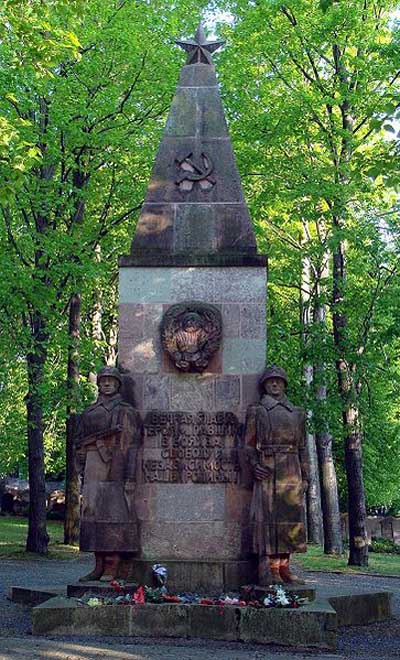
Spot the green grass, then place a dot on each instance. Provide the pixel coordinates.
(315, 560)
(13, 532)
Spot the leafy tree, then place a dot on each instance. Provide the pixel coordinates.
(316, 92)
(93, 123)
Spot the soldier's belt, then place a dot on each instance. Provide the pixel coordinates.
(278, 449)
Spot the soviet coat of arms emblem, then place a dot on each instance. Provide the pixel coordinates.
(190, 334)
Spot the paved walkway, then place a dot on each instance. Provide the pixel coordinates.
(16, 642)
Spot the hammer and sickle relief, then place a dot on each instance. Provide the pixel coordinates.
(194, 171)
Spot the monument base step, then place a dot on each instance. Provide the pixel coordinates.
(206, 576)
(313, 625)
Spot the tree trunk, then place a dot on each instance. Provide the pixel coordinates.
(38, 539)
(72, 495)
(333, 543)
(358, 555)
(313, 496)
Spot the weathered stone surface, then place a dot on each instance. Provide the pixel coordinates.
(193, 284)
(146, 258)
(192, 393)
(231, 319)
(155, 230)
(164, 285)
(140, 356)
(188, 219)
(212, 622)
(312, 625)
(245, 285)
(156, 392)
(243, 356)
(158, 620)
(206, 576)
(210, 120)
(190, 502)
(253, 321)
(233, 228)
(182, 119)
(144, 285)
(34, 596)
(131, 320)
(227, 393)
(203, 75)
(181, 540)
(362, 609)
(64, 617)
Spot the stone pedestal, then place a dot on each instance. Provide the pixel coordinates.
(194, 488)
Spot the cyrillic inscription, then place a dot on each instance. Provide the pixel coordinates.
(191, 447)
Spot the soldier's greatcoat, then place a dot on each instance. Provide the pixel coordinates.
(107, 442)
(275, 439)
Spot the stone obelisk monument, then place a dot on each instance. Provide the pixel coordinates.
(193, 336)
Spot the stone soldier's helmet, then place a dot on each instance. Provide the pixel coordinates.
(273, 372)
(109, 371)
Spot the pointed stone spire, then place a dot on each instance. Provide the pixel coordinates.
(194, 212)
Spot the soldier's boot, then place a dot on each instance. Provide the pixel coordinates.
(274, 566)
(111, 568)
(98, 569)
(286, 574)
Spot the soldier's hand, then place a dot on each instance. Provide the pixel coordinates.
(261, 473)
(305, 485)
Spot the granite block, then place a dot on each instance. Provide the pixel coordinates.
(253, 321)
(145, 285)
(313, 625)
(231, 320)
(182, 119)
(131, 320)
(192, 392)
(156, 392)
(191, 540)
(160, 620)
(152, 319)
(214, 622)
(227, 393)
(240, 285)
(243, 356)
(154, 227)
(193, 284)
(141, 356)
(190, 502)
(362, 609)
(234, 229)
(201, 76)
(194, 228)
(210, 121)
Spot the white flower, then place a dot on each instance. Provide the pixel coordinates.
(94, 602)
(268, 601)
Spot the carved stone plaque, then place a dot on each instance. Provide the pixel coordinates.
(191, 447)
(191, 334)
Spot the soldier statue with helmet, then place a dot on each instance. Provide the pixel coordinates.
(107, 441)
(276, 450)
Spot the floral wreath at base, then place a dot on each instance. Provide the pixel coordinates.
(278, 598)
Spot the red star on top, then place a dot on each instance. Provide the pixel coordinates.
(199, 48)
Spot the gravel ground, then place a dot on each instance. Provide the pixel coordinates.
(375, 641)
